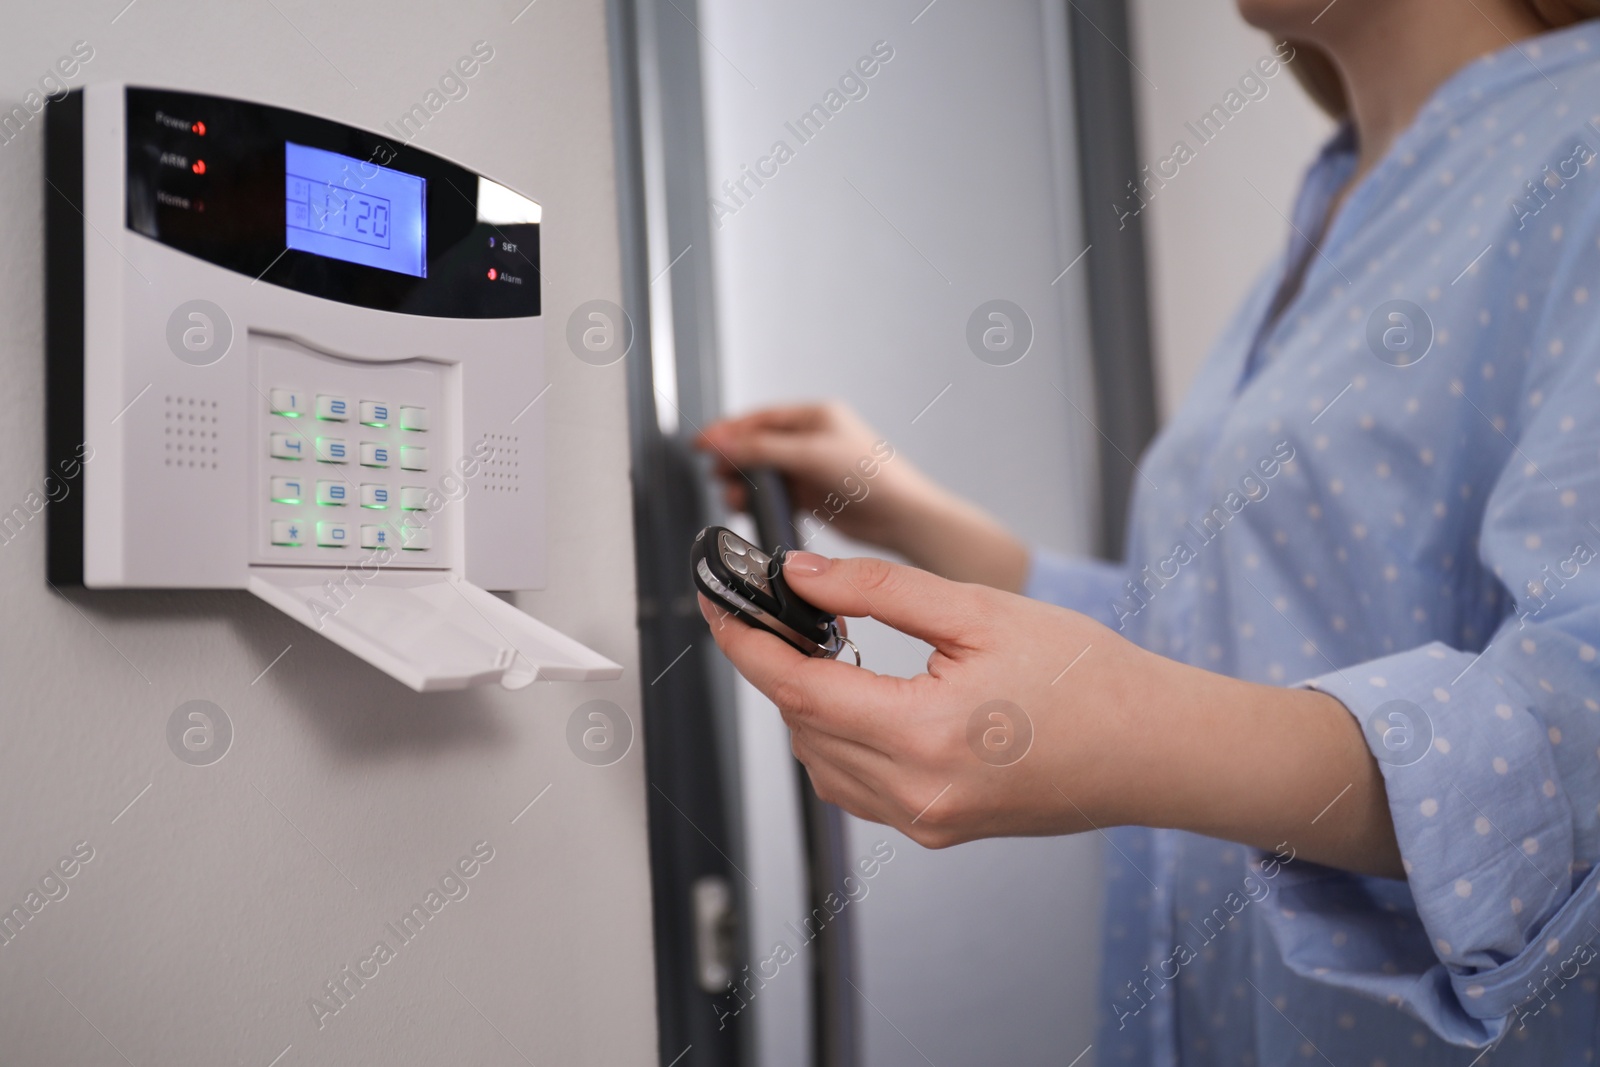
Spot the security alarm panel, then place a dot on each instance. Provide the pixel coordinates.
(291, 356)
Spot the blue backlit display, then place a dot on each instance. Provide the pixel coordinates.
(352, 209)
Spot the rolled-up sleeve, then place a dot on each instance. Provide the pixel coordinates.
(1489, 758)
(1085, 585)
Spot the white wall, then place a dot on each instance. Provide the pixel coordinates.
(225, 896)
(852, 273)
(1210, 233)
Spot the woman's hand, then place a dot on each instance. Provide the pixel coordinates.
(842, 475)
(1034, 720)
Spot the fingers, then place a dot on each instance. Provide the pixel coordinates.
(762, 448)
(838, 698)
(790, 417)
(813, 744)
(793, 438)
(843, 789)
(943, 613)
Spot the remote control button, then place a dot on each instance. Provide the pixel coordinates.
(737, 564)
(287, 532)
(287, 446)
(759, 560)
(374, 413)
(333, 534)
(333, 494)
(333, 450)
(374, 496)
(288, 402)
(414, 419)
(374, 454)
(376, 537)
(413, 499)
(285, 491)
(333, 408)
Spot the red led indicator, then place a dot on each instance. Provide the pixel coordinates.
(199, 166)
(493, 274)
(199, 129)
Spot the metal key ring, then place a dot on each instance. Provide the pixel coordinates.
(853, 648)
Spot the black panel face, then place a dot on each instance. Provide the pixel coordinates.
(386, 226)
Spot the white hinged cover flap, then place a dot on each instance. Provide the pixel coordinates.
(429, 629)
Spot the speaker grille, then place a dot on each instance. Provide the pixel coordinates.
(502, 471)
(190, 433)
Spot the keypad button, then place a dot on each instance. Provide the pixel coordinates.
(333, 450)
(376, 537)
(288, 532)
(290, 402)
(286, 491)
(287, 446)
(375, 454)
(416, 538)
(333, 534)
(374, 496)
(374, 413)
(413, 418)
(332, 408)
(333, 494)
(413, 498)
(413, 458)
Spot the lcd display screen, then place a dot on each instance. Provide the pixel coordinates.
(354, 210)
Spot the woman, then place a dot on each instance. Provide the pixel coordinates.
(1385, 481)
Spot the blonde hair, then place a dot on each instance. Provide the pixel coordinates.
(1320, 78)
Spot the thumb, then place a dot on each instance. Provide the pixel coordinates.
(940, 612)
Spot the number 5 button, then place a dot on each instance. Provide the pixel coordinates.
(333, 450)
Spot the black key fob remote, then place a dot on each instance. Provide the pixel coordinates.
(747, 582)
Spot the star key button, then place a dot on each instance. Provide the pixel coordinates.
(287, 532)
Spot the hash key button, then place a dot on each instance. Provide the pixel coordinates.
(376, 537)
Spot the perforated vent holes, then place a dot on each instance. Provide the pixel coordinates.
(501, 472)
(190, 433)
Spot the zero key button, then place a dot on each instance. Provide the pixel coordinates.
(333, 534)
